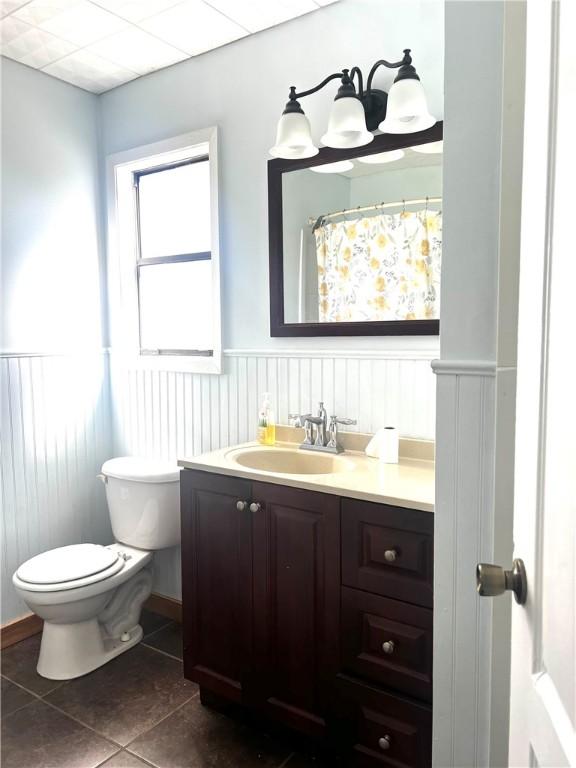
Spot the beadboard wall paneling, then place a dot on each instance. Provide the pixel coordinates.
(471, 683)
(55, 416)
(173, 414)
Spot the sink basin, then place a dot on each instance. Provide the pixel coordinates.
(287, 461)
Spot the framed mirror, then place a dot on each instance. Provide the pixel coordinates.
(355, 239)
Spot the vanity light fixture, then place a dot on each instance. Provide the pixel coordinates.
(382, 157)
(338, 167)
(355, 114)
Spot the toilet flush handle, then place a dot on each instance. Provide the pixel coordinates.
(102, 477)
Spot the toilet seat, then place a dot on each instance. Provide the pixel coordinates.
(69, 567)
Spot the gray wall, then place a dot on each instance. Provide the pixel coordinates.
(55, 408)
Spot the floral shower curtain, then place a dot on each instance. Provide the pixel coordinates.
(383, 267)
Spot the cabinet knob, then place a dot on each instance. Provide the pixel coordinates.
(390, 555)
(241, 506)
(384, 742)
(255, 507)
(388, 646)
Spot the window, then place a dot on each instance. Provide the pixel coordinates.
(164, 272)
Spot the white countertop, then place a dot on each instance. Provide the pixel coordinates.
(410, 483)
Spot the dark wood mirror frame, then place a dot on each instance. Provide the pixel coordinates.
(276, 168)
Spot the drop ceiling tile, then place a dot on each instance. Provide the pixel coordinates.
(9, 6)
(37, 48)
(255, 15)
(89, 71)
(136, 10)
(11, 29)
(137, 50)
(193, 27)
(78, 21)
(39, 11)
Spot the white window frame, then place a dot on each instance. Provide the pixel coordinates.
(123, 249)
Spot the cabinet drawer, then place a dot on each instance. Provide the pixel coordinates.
(388, 642)
(388, 550)
(386, 730)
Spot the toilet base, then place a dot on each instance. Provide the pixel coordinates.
(72, 650)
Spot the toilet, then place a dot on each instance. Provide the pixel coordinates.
(90, 596)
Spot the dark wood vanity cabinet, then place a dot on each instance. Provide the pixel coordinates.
(312, 611)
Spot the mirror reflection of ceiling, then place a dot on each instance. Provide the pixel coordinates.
(411, 159)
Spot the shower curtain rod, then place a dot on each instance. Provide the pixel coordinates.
(374, 207)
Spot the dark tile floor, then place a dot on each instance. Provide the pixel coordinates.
(136, 711)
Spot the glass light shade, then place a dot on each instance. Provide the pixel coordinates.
(382, 157)
(338, 167)
(293, 137)
(406, 111)
(347, 125)
(432, 148)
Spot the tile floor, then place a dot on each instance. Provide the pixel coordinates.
(134, 712)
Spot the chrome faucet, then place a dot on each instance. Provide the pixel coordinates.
(326, 435)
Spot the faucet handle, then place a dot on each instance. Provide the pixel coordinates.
(297, 419)
(345, 422)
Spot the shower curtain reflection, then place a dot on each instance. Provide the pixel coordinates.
(380, 267)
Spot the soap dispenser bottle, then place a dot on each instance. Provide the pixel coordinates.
(266, 423)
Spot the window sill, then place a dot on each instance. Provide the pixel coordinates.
(176, 363)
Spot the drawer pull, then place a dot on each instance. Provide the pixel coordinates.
(384, 742)
(390, 555)
(255, 507)
(241, 506)
(388, 646)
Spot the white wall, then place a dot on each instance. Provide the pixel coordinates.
(306, 194)
(390, 186)
(51, 282)
(485, 47)
(55, 409)
(242, 88)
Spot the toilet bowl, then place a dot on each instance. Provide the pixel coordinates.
(90, 596)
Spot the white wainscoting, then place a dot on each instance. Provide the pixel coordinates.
(56, 432)
(171, 414)
(472, 452)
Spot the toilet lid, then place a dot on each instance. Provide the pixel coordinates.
(141, 470)
(67, 564)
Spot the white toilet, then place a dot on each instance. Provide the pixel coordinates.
(90, 596)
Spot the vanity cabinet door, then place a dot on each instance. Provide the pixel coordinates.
(216, 579)
(296, 593)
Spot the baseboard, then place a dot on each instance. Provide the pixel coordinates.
(165, 606)
(27, 626)
(19, 629)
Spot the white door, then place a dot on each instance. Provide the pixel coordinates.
(543, 683)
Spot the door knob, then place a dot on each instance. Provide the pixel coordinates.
(255, 507)
(241, 506)
(390, 555)
(492, 580)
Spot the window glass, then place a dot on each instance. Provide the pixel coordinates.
(176, 306)
(175, 211)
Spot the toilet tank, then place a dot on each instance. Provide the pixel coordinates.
(143, 498)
